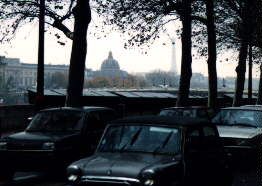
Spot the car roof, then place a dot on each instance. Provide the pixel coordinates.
(163, 120)
(85, 108)
(243, 108)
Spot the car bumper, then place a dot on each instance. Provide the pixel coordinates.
(106, 180)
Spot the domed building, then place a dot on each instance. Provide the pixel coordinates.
(110, 63)
(110, 67)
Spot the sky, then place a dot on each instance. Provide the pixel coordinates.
(25, 47)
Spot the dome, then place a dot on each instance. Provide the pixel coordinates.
(110, 63)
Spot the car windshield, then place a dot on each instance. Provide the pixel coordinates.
(251, 118)
(194, 113)
(56, 121)
(141, 138)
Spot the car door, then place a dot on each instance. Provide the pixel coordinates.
(214, 154)
(195, 165)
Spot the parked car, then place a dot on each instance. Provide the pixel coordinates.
(53, 139)
(193, 112)
(241, 131)
(154, 151)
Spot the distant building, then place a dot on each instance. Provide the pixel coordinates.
(24, 75)
(109, 67)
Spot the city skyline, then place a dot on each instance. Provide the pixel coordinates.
(158, 56)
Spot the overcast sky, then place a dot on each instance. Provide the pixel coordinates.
(158, 56)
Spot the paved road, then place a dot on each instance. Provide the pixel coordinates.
(33, 179)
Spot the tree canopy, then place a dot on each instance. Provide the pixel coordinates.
(16, 13)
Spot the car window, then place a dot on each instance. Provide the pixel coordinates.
(210, 138)
(151, 139)
(94, 123)
(193, 139)
(170, 113)
(107, 115)
(235, 117)
(209, 132)
(194, 133)
(56, 121)
(184, 112)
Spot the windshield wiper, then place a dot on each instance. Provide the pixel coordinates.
(164, 143)
(133, 139)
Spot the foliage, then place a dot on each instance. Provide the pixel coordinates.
(229, 17)
(16, 13)
(140, 20)
(97, 82)
(161, 78)
(131, 81)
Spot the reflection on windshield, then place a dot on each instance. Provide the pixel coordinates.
(141, 139)
(235, 117)
(56, 121)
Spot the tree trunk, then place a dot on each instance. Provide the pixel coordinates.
(250, 64)
(245, 35)
(259, 96)
(186, 61)
(40, 66)
(212, 71)
(82, 15)
(241, 71)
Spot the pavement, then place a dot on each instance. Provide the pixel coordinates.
(33, 179)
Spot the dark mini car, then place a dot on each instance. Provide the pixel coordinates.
(54, 138)
(193, 112)
(241, 131)
(154, 151)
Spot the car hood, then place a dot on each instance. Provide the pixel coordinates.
(127, 165)
(40, 136)
(238, 132)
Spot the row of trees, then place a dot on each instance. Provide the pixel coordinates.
(155, 78)
(210, 26)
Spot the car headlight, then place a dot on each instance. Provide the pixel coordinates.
(149, 182)
(48, 146)
(148, 177)
(3, 145)
(73, 173)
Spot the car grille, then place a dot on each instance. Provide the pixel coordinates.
(24, 146)
(109, 181)
(107, 184)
